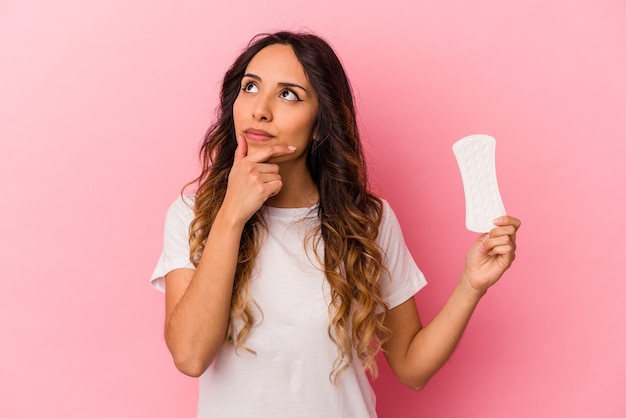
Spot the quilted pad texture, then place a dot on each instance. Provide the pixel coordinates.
(476, 157)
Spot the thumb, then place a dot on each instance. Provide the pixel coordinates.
(242, 148)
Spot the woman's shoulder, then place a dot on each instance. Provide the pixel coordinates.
(385, 209)
(182, 206)
(388, 217)
(184, 200)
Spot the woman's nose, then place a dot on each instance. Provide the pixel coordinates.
(262, 109)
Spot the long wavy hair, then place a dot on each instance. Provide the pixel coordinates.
(348, 212)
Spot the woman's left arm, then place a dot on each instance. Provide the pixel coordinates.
(416, 353)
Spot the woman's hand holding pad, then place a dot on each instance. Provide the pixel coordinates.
(491, 255)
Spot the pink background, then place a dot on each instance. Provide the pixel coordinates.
(103, 104)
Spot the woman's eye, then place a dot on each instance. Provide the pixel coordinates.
(250, 88)
(289, 95)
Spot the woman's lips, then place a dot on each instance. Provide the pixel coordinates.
(257, 135)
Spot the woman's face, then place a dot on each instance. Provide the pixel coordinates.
(276, 103)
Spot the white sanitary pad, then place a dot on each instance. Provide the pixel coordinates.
(476, 157)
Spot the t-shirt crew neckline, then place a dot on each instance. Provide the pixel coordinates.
(291, 212)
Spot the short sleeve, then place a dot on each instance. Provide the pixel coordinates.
(175, 252)
(402, 278)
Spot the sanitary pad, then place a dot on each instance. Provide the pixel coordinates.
(476, 157)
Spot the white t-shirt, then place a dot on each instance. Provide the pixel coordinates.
(289, 374)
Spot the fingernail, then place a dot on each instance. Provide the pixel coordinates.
(292, 148)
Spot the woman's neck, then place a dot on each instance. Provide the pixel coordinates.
(298, 191)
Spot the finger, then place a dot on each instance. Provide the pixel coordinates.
(508, 220)
(500, 231)
(509, 231)
(499, 245)
(275, 187)
(265, 168)
(266, 153)
(269, 177)
(268, 186)
(504, 251)
(242, 148)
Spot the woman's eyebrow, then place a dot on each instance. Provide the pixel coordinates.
(281, 84)
(292, 85)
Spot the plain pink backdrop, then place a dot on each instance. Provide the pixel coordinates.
(102, 107)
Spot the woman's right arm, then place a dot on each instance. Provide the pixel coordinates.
(197, 302)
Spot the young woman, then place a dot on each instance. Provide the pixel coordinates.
(283, 274)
